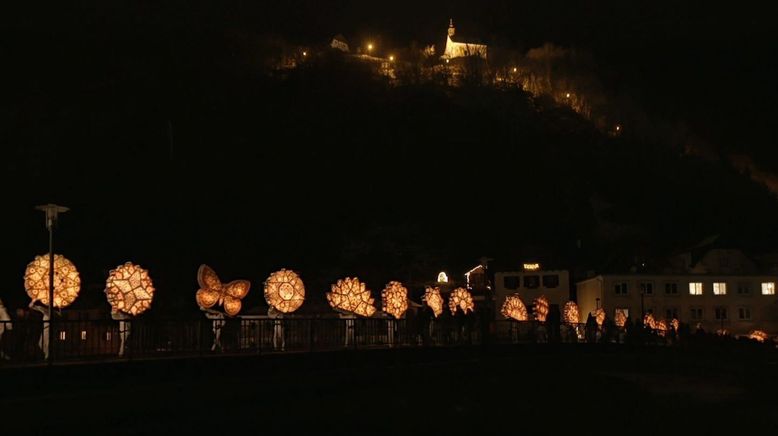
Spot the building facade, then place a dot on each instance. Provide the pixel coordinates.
(458, 46)
(738, 303)
(531, 283)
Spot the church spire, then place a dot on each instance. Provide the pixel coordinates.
(451, 29)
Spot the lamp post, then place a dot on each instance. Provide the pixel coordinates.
(51, 210)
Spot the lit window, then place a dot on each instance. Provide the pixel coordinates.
(744, 313)
(647, 288)
(696, 313)
(671, 288)
(719, 288)
(620, 288)
(83, 335)
(768, 288)
(62, 335)
(721, 313)
(695, 288)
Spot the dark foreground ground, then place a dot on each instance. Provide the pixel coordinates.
(519, 390)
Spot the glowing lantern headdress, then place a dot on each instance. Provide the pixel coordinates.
(649, 321)
(620, 319)
(129, 289)
(434, 300)
(67, 282)
(758, 335)
(284, 290)
(570, 312)
(599, 316)
(514, 308)
(462, 299)
(213, 292)
(540, 308)
(350, 295)
(394, 299)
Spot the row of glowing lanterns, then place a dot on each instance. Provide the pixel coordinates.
(514, 308)
(130, 290)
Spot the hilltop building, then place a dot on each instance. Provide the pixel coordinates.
(459, 46)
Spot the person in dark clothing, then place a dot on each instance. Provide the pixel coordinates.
(591, 329)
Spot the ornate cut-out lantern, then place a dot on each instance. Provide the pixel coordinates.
(461, 299)
(350, 295)
(67, 282)
(129, 289)
(284, 290)
(758, 335)
(620, 319)
(570, 313)
(649, 321)
(540, 308)
(394, 299)
(434, 300)
(599, 316)
(212, 291)
(514, 308)
(675, 323)
(661, 327)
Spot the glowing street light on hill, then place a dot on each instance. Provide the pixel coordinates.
(391, 58)
(369, 47)
(567, 95)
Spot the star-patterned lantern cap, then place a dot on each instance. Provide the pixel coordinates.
(460, 298)
(284, 290)
(350, 295)
(212, 291)
(514, 308)
(67, 282)
(129, 289)
(394, 299)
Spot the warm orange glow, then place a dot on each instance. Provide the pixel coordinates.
(67, 282)
(571, 313)
(370, 47)
(620, 319)
(305, 53)
(394, 299)
(531, 266)
(434, 300)
(351, 296)
(514, 308)
(129, 289)
(515, 69)
(461, 299)
(284, 291)
(442, 277)
(649, 321)
(391, 58)
(675, 323)
(599, 316)
(540, 308)
(661, 327)
(213, 292)
(567, 95)
(758, 335)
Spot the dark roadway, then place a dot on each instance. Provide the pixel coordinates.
(537, 389)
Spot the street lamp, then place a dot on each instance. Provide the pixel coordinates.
(51, 210)
(370, 47)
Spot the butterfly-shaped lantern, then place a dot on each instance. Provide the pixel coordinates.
(212, 291)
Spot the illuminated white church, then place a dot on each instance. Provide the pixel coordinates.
(458, 46)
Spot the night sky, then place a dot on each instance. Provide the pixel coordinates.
(156, 125)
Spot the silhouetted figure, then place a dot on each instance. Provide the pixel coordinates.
(125, 326)
(279, 340)
(43, 342)
(5, 324)
(591, 329)
(553, 320)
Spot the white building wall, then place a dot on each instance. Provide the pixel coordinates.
(559, 294)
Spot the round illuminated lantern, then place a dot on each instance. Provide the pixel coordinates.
(434, 300)
(394, 299)
(351, 296)
(67, 282)
(460, 298)
(212, 291)
(540, 308)
(129, 289)
(284, 290)
(514, 308)
(758, 335)
(570, 313)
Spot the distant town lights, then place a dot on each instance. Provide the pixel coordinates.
(305, 53)
(567, 95)
(515, 69)
(391, 58)
(531, 266)
(370, 46)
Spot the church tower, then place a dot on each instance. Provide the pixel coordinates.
(451, 29)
